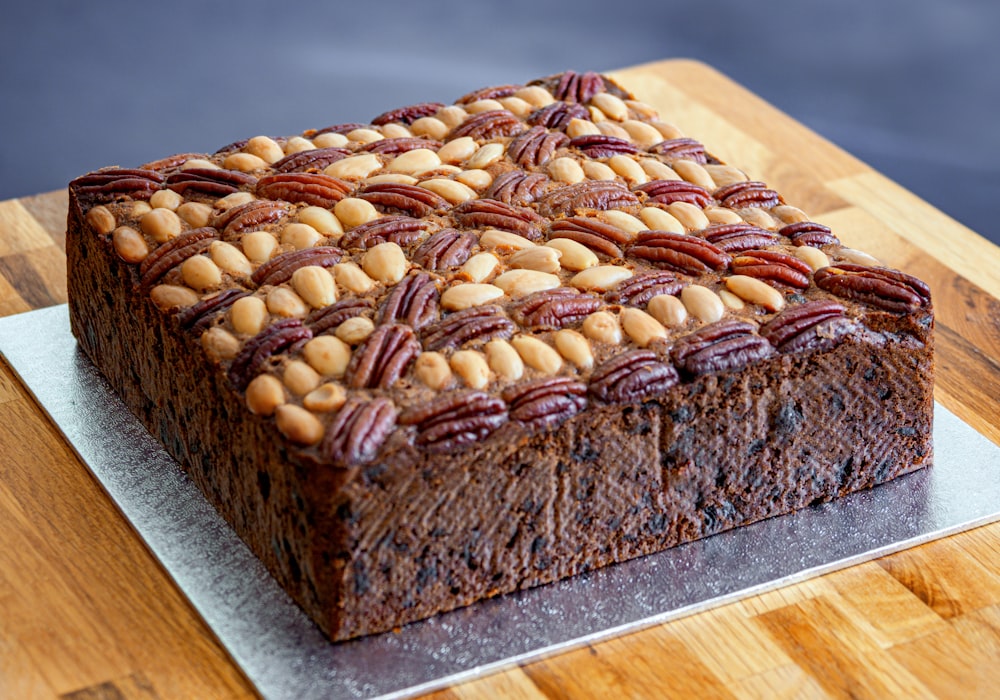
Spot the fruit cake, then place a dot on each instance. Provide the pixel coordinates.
(466, 349)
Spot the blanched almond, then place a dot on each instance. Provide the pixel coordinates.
(519, 283)
(575, 347)
(756, 292)
(432, 369)
(702, 303)
(600, 278)
(504, 360)
(465, 296)
(471, 366)
(537, 353)
(480, 266)
(573, 256)
(540, 258)
(667, 309)
(602, 327)
(642, 328)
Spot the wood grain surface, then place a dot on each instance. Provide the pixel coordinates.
(87, 612)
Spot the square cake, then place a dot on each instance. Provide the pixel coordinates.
(467, 349)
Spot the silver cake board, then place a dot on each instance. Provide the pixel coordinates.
(286, 656)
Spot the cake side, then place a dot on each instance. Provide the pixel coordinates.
(418, 369)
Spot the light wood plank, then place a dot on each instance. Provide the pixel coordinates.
(21, 231)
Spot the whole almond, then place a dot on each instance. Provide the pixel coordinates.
(385, 262)
(600, 278)
(471, 366)
(504, 360)
(480, 266)
(575, 347)
(298, 424)
(432, 369)
(642, 328)
(658, 220)
(602, 327)
(537, 353)
(754, 291)
(702, 303)
(464, 296)
(519, 283)
(667, 309)
(540, 258)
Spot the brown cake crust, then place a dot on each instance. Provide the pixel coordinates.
(821, 387)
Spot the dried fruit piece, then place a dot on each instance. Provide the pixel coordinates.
(558, 115)
(383, 358)
(680, 148)
(773, 267)
(359, 430)
(488, 125)
(107, 185)
(535, 146)
(638, 290)
(414, 301)
(735, 238)
(408, 199)
(280, 268)
(747, 194)
(274, 339)
(517, 187)
(544, 404)
(478, 323)
(719, 347)
(444, 249)
(592, 194)
(315, 189)
(453, 421)
(632, 377)
(312, 160)
(678, 251)
(409, 114)
(880, 287)
(670, 191)
(401, 230)
(322, 320)
(809, 233)
(815, 325)
(555, 308)
(209, 182)
(489, 213)
(600, 237)
(172, 253)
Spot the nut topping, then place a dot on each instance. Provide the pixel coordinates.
(314, 189)
(600, 237)
(555, 308)
(670, 191)
(478, 323)
(453, 421)
(359, 430)
(276, 338)
(517, 187)
(773, 267)
(535, 146)
(544, 404)
(809, 233)
(414, 301)
(408, 115)
(383, 358)
(735, 238)
(815, 325)
(488, 125)
(208, 182)
(678, 251)
(322, 320)
(489, 213)
(680, 148)
(722, 346)
(313, 160)
(398, 229)
(880, 287)
(632, 377)
(747, 194)
(602, 146)
(108, 185)
(408, 199)
(558, 115)
(280, 268)
(173, 253)
(638, 290)
(596, 194)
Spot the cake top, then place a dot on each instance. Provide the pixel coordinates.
(511, 257)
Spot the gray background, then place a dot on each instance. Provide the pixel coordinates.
(909, 86)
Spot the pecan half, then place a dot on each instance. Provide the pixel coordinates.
(592, 194)
(322, 320)
(277, 337)
(632, 377)
(602, 145)
(544, 404)
(403, 144)
(165, 257)
(344, 128)
(815, 325)
(558, 115)
(578, 87)
(315, 189)
(678, 251)
(488, 125)
(669, 191)
(414, 301)
(638, 290)
(736, 238)
(314, 160)
(280, 268)
(555, 308)
(401, 230)
(535, 146)
(773, 267)
(407, 199)
(517, 187)
(232, 147)
(444, 249)
(494, 92)
(383, 357)
(489, 213)
(747, 194)
(880, 287)
(681, 148)
(107, 185)
(250, 216)
(208, 182)
(170, 162)
(479, 324)
(409, 114)
(809, 233)
(597, 235)
(721, 346)
(200, 316)
(453, 421)
(359, 430)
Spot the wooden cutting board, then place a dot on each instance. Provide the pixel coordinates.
(86, 612)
